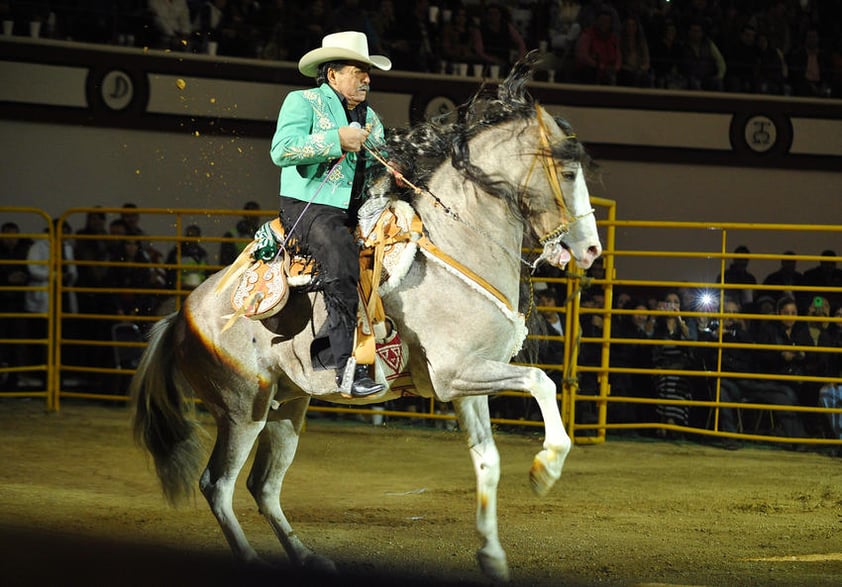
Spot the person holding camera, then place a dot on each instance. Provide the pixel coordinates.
(672, 357)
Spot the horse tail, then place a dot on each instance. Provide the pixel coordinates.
(163, 419)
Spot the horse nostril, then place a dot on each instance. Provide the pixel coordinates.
(595, 250)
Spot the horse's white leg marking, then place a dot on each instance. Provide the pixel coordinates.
(275, 451)
(486, 377)
(475, 420)
(233, 444)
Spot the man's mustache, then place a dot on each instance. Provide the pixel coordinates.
(363, 88)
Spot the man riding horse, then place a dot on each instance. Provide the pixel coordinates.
(318, 145)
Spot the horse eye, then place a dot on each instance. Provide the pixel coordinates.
(568, 175)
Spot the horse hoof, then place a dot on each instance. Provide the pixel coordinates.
(494, 567)
(320, 564)
(545, 471)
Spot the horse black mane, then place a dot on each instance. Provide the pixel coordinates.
(419, 150)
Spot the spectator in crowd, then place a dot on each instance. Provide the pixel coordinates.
(12, 275)
(702, 64)
(37, 301)
(591, 10)
(173, 27)
(825, 274)
(241, 36)
(787, 277)
(634, 49)
(93, 250)
(786, 332)
(131, 220)
(820, 363)
(348, 15)
(772, 70)
(742, 61)
(774, 25)
(550, 352)
(809, 68)
(746, 389)
(276, 16)
(192, 256)
(598, 57)
(667, 57)
(672, 327)
(457, 39)
(563, 31)
(590, 354)
(244, 229)
(738, 273)
(830, 394)
(209, 22)
(309, 27)
(630, 354)
(417, 49)
(497, 41)
(132, 280)
(836, 68)
(705, 12)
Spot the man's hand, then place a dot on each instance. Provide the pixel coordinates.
(351, 139)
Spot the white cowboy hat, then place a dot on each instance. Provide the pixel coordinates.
(347, 45)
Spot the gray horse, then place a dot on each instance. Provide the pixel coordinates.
(502, 174)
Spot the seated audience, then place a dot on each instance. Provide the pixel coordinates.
(738, 273)
(634, 49)
(173, 27)
(735, 389)
(193, 256)
(497, 40)
(809, 68)
(244, 229)
(667, 56)
(598, 57)
(702, 63)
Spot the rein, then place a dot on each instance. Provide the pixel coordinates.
(545, 156)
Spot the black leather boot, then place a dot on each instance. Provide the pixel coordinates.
(363, 385)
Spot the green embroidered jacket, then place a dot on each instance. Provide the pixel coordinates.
(306, 146)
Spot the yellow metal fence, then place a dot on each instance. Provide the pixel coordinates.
(88, 354)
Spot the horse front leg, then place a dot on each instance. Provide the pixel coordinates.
(486, 377)
(275, 452)
(475, 420)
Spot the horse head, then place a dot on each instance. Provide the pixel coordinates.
(558, 205)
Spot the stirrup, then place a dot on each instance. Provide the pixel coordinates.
(347, 379)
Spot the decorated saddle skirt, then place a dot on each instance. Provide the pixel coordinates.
(261, 278)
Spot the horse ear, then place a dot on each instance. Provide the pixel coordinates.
(513, 88)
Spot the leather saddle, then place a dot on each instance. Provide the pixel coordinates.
(265, 272)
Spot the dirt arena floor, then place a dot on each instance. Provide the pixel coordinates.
(394, 505)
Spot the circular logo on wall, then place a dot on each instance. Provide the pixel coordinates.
(117, 90)
(756, 135)
(114, 90)
(761, 134)
(438, 107)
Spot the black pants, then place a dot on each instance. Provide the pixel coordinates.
(325, 233)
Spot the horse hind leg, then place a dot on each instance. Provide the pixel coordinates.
(234, 441)
(276, 449)
(475, 420)
(486, 377)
